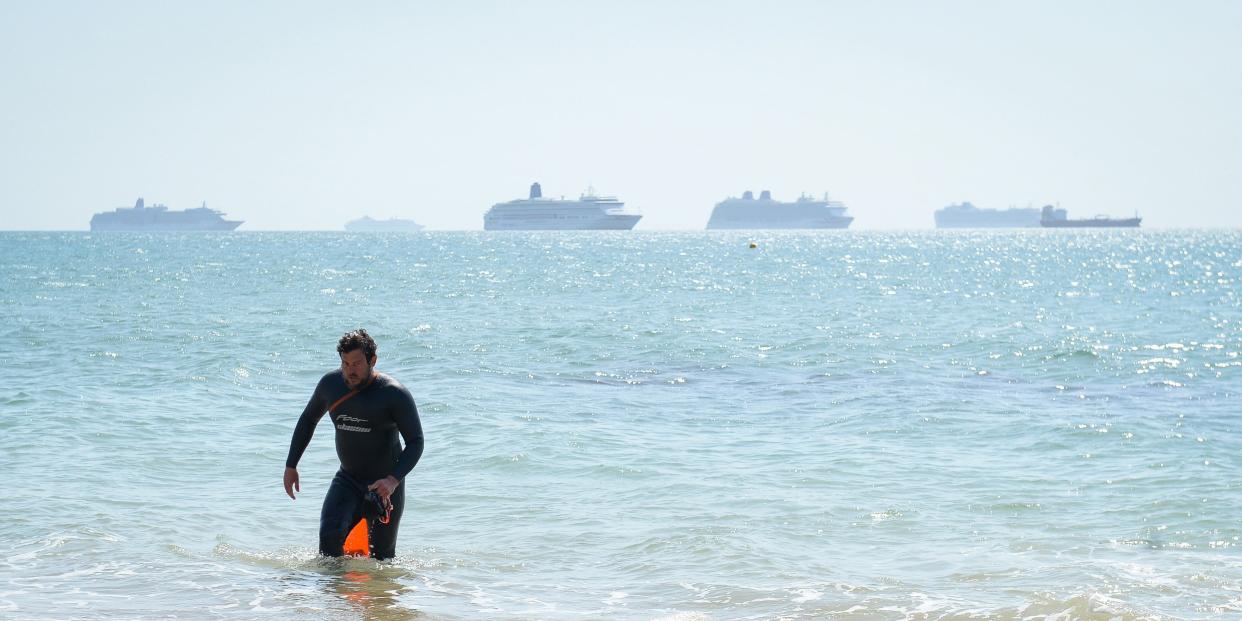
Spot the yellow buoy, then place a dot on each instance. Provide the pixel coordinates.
(754, 245)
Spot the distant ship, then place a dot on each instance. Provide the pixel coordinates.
(371, 225)
(1053, 217)
(965, 215)
(158, 218)
(766, 213)
(589, 212)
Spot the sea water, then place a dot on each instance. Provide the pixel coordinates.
(829, 425)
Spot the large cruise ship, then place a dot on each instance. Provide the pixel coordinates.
(367, 224)
(588, 213)
(965, 215)
(159, 218)
(766, 213)
(1052, 217)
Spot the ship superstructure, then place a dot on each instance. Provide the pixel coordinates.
(158, 217)
(966, 215)
(370, 225)
(767, 213)
(536, 213)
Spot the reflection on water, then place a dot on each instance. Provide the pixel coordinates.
(374, 593)
(344, 587)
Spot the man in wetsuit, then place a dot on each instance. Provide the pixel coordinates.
(369, 411)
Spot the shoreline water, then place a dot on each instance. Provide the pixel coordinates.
(878, 426)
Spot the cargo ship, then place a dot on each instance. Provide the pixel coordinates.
(1053, 217)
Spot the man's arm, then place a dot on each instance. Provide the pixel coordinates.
(405, 414)
(302, 434)
(411, 428)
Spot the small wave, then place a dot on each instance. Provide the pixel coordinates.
(307, 559)
(1087, 606)
(1165, 383)
(20, 397)
(289, 558)
(1077, 354)
(503, 461)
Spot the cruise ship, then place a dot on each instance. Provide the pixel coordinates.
(766, 213)
(966, 215)
(158, 217)
(367, 224)
(1053, 217)
(536, 213)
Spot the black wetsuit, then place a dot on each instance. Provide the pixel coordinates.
(367, 426)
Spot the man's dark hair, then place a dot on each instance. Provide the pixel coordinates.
(358, 339)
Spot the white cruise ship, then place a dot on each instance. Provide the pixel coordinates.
(767, 213)
(158, 217)
(588, 213)
(367, 224)
(965, 215)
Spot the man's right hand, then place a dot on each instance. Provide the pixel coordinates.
(291, 482)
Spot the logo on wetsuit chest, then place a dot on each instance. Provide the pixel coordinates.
(342, 420)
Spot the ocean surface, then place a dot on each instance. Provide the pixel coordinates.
(841, 425)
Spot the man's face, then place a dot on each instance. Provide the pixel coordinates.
(357, 368)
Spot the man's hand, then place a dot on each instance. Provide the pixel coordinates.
(385, 487)
(291, 482)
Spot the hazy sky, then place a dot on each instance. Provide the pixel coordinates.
(303, 115)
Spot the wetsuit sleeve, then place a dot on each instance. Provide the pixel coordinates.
(406, 416)
(314, 411)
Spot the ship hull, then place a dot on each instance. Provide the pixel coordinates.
(174, 227)
(383, 226)
(563, 223)
(1093, 223)
(986, 222)
(382, 229)
(985, 225)
(835, 223)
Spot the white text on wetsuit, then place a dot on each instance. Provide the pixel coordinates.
(350, 419)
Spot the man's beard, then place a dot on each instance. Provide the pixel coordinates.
(352, 383)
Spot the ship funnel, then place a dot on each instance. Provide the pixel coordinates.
(535, 190)
(748, 195)
(765, 195)
(139, 205)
